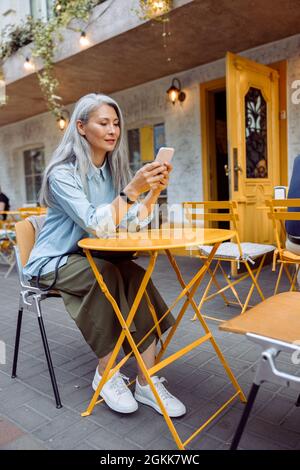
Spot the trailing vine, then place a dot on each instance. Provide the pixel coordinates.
(44, 37)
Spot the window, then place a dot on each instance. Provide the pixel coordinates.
(34, 164)
(41, 9)
(143, 144)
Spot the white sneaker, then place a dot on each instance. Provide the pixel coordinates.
(143, 394)
(115, 393)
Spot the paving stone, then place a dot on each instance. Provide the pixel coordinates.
(251, 441)
(279, 434)
(27, 418)
(62, 422)
(292, 420)
(45, 406)
(9, 432)
(197, 378)
(75, 434)
(23, 443)
(106, 440)
(276, 409)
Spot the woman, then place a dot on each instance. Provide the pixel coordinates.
(87, 186)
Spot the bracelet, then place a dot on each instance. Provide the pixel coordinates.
(126, 198)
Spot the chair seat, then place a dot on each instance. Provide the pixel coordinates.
(4, 234)
(277, 317)
(286, 255)
(231, 250)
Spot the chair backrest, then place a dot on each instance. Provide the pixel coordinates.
(279, 212)
(212, 211)
(25, 235)
(27, 211)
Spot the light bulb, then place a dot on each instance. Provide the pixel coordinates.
(28, 65)
(84, 42)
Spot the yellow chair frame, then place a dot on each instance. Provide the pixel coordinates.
(192, 215)
(279, 214)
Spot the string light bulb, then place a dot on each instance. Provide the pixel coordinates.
(84, 42)
(28, 65)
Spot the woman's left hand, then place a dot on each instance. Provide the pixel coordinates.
(157, 187)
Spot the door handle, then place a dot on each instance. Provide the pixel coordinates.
(238, 168)
(226, 168)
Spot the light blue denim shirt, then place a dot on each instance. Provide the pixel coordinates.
(75, 215)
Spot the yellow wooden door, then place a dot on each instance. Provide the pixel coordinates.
(253, 142)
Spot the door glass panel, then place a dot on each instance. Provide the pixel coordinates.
(256, 134)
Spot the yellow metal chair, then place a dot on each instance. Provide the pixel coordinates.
(275, 325)
(280, 211)
(28, 211)
(237, 252)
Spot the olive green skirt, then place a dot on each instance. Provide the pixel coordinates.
(93, 313)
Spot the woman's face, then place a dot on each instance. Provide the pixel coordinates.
(102, 130)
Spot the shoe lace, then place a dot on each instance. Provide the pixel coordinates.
(118, 384)
(161, 389)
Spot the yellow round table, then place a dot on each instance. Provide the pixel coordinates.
(153, 241)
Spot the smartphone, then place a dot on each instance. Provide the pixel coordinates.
(165, 154)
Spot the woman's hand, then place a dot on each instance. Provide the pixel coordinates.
(156, 188)
(152, 176)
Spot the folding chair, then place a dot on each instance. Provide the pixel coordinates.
(245, 253)
(31, 298)
(279, 212)
(275, 325)
(7, 254)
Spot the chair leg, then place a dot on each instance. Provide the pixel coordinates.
(17, 343)
(240, 429)
(298, 401)
(49, 362)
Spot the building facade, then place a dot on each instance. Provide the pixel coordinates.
(26, 146)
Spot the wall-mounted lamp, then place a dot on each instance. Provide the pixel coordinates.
(174, 92)
(28, 64)
(63, 119)
(84, 41)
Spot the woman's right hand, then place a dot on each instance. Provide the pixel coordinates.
(145, 178)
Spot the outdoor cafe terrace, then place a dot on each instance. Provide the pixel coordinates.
(30, 420)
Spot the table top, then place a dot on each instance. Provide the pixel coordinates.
(29, 211)
(157, 239)
(9, 212)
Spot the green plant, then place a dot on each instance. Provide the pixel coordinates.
(45, 37)
(15, 37)
(154, 9)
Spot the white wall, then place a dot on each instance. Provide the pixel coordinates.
(13, 12)
(148, 104)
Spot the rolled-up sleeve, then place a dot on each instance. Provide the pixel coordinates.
(132, 222)
(69, 195)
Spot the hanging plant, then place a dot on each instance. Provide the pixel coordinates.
(14, 37)
(45, 37)
(154, 9)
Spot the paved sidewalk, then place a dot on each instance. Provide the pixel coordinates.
(30, 420)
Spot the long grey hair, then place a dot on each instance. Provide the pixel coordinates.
(75, 147)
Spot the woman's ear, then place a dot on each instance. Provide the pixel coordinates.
(80, 128)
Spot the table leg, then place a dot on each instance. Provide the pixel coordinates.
(201, 319)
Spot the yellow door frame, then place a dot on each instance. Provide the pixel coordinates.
(207, 137)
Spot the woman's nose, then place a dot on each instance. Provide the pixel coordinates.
(111, 129)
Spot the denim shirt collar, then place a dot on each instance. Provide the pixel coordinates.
(103, 171)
